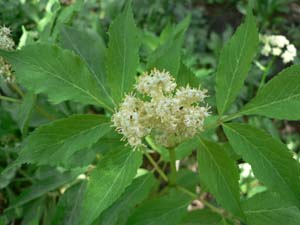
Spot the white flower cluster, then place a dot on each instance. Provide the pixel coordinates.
(278, 45)
(6, 43)
(170, 115)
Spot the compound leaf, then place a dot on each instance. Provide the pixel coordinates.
(235, 62)
(56, 142)
(108, 181)
(279, 98)
(271, 161)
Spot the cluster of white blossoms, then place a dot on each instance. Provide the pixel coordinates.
(170, 115)
(6, 43)
(278, 45)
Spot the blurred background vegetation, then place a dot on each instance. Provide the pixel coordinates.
(212, 24)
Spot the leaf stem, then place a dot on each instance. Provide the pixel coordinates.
(206, 203)
(173, 174)
(222, 120)
(157, 168)
(5, 98)
(266, 73)
(16, 88)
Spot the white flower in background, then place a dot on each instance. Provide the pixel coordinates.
(278, 45)
(6, 43)
(289, 54)
(170, 115)
(246, 170)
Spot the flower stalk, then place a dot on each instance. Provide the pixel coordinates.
(173, 173)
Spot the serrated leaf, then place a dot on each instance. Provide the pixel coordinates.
(7, 175)
(279, 98)
(122, 57)
(167, 56)
(271, 161)
(220, 175)
(202, 217)
(134, 194)
(108, 181)
(269, 209)
(166, 210)
(69, 205)
(56, 142)
(234, 63)
(57, 73)
(93, 55)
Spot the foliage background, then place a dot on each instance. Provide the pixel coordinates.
(212, 24)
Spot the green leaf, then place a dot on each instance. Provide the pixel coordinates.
(188, 179)
(108, 181)
(56, 142)
(182, 150)
(220, 175)
(186, 77)
(166, 210)
(270, 209)
(44, 186)
(234, 64)
(25, 111)
(58, 73)
(122, 57)
(271, 161)
(202, 217)
(119, 212)
(167, 56)
(69, 205)
(93, 55)
(279, 98)
(33, 212)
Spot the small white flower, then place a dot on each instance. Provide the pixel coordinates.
(266, 50)
(276, 51)
(6, 43)
(170, 115)
(278, 45)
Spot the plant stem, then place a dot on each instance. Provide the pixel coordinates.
(5, 98)
(44, 113)
(16, 88)
(195, 196)
(266, 73)
(222, 120)
(157, 168)
(173, 174)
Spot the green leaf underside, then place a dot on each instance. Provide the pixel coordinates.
(134, 194)
(108, 181)
(69, 205)
(122, 57)
(271, 161)
(202, 217)
(56, 142)
(58, 73)
(93, 55)
(166, 210)
(219, 173)
(235, 62)
(270, 209)
(167, 56)
(279, 98)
